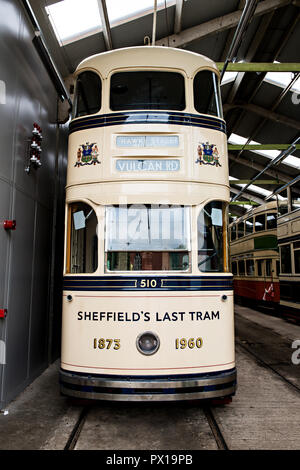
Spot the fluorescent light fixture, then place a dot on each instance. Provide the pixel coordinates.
(72, 20)
(271, 154)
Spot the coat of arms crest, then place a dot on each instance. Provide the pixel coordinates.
(208, 154)
(87, 154)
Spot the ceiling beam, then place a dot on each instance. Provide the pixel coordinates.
(105, 24)
(252, 147)
(247, 195)
(258, 166)
(266, 113)
(178, 16)
(261, 66)
(217, 25)
(258, 182)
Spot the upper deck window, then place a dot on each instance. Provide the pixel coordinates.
(147, 90)
(207, 93)
(88, 94)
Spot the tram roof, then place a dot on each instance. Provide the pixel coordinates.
(148, 56)
(267, 207)
(258, 107)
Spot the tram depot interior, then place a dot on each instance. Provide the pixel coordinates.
(42, 43)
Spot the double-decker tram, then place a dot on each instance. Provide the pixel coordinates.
(148, 299)
(254, 257)
(289, 246)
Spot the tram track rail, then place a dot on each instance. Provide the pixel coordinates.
(74, 436)
(265, 364)
(268, 348)
(215, 429)
(207, 411)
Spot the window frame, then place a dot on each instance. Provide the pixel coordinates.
(217, 92)
(225, 247)
(189, 251)
(75, 106)
(68, 235)
(148, 69)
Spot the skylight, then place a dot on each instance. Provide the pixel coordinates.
(228, 77)
(283, 79)
(74, 19)
(271, 154)
(253, 188)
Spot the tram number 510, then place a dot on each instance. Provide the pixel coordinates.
(148, 283)
(191, 343)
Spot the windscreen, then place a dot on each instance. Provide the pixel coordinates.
(147, 90)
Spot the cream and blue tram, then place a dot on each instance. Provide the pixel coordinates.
(289, 249)
(147, 298)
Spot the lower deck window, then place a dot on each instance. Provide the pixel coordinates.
(147, 238)
(212, 240)
(241, 266)
(250, 267)
(285, 259)
(82, 242)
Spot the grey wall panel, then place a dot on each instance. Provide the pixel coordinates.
(38, 328)
(9, 27)
(5, 192)
(19, 290)
(35, 201)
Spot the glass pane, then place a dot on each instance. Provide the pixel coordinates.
(277, 267)
(87, 94)
(207, 94)
(147, 261)
(234, 268)
(260, 222)
(147, 90)
(233, 232)
(210, 237)
(297, 261)
(283, 209)
(249, 226)
(83, 249)
(259, 267)
(240, 229)
(144, 237)
(147, 228)
(295, 196)
(285, 259)
(268, 267)
(271, 221)
(250, 267)
(241, 267)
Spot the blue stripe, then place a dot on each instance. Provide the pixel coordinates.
(148, 117)
(147, 283)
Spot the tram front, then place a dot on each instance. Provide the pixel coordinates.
(148, 300)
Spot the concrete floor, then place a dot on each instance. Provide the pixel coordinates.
(264, 414)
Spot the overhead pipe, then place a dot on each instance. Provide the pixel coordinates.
(154, 22)
(275, 161)
(282, 188)
(45, 56)
(245, 19)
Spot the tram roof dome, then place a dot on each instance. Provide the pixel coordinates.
(145, 56)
